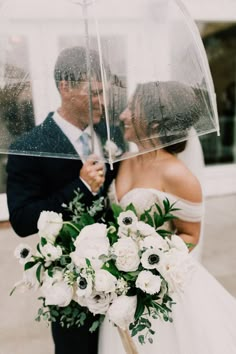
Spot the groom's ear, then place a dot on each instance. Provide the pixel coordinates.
(64, 88)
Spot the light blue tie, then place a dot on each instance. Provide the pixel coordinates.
(84, 138)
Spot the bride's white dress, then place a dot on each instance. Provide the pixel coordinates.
(204, 318)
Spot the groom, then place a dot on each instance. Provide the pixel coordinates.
(35, 183)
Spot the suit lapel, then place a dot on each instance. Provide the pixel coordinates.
(56, 139)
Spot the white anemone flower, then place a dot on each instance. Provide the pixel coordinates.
(84, 285)
(23, 253)
(127, 220)
(150, 258)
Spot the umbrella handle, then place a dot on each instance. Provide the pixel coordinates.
(127, 341)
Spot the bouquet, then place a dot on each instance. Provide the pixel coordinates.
(127, 269)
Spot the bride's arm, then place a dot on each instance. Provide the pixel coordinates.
(180, 182)
(188, 231)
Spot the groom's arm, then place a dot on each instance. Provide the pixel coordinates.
(26, 194)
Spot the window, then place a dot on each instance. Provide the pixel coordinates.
(16, 108)
(220, 43)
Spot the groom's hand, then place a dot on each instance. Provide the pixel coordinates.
(92, 173)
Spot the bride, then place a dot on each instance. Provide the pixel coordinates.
(204, 317)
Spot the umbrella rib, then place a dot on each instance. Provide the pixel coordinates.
(104, 91)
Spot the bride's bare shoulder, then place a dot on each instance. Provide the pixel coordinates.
(180, 181)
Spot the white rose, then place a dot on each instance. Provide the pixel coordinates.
(148, 282)
(77, 260)
(56, 290)
(91, 243)
(150, 258)
(122, 232)
(23, 253)
(49, 225)
(50, 252)
(122, 310)
(176, 268)
(99, 303)
(154, 242)
(127, 220)
(29, 281)
(178, 243)
(104, 281)
(126, 252)
(60, 294)
(93, 231)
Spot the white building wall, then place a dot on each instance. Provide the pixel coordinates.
(212, 10)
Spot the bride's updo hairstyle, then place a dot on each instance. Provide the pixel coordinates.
(169, 110)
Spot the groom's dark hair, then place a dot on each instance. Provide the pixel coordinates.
(72, 66)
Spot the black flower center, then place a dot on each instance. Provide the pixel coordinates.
(24, 253)
(127, 220)
(82, 284)
(153, 259)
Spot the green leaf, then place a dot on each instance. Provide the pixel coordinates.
(149, 219)
(190, 245)
(166, 204)
(38, 273)
(159, 209)
(86, 219)
(12, 291)
(88, 263)
(111, 268)
(140, 308)
(132, 208)
(38, 248)
(68, 231)
(158, 220)
(29, 265)
(43, 241)
(131, 276)
(94, 326)
(116, 210)
(141, 339)
(164, 233)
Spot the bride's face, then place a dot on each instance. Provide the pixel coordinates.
(135, 127)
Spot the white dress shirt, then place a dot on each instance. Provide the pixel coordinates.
(73, 134)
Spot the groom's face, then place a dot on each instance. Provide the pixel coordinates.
(81, 95)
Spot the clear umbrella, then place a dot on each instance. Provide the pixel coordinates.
(151, 66)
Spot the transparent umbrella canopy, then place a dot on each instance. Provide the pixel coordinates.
(144, 69)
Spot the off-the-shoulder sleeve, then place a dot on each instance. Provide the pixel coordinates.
(188, 211)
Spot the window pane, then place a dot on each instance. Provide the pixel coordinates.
(220, 44)
(16, 113)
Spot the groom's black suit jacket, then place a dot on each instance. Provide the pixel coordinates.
(43, 183)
